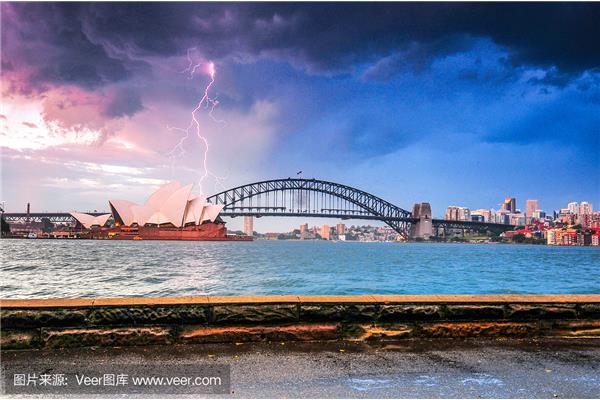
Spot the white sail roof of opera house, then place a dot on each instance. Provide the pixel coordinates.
(88, 220)
(171, 203)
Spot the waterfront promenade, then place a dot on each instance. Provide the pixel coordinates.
(416, 369)
(318, 346)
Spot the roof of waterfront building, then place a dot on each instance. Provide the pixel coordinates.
(524, 231)
(88, 221)
(170, 204)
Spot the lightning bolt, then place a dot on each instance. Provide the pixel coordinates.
(207, 103)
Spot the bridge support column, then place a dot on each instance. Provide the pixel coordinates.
(249, 226)
(423, 228)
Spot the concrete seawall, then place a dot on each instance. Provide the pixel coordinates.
(57, 323)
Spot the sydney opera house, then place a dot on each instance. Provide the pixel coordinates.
(170, 213)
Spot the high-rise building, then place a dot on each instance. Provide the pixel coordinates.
(248, 225)
(451, 213)
(325, 231)
(464, 214)
(539, 215)
(303, 228)
(573, 208)
(456, 213)
(530, 207)
(477, 217)
(585, 217)
(585, 208)
(595, 223)
(510, 204)
(340, 229)
(503, 217)
(568, 218)
(517, 219)
(486, 214)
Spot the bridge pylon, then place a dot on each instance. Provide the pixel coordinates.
(423, 228)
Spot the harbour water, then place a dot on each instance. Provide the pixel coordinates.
(85, 268)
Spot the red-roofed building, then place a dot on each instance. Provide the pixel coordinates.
(527, 232)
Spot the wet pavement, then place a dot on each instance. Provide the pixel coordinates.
(420, 369)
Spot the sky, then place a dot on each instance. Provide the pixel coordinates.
(449, 103)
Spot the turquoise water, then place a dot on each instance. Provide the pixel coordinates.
(82, 268)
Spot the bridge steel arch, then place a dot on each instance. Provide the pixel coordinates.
(310, 198)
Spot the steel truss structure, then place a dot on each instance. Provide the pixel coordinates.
(297, 197)
(55, 218)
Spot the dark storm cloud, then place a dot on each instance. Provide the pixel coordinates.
(334, 36)
(417, 57)
(48, 39)
(94, 44)
(123, 103)
(365, 139)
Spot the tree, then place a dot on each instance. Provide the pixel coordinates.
(519, 238)
(5, 227)
(47, 226)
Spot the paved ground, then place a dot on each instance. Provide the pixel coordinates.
(525, 369)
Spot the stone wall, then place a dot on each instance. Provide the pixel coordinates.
(61, 323)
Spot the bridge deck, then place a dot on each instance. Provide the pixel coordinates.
(66, 217)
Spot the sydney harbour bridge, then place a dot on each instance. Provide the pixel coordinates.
(299, 197)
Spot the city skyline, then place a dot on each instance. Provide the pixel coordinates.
(464, 110)
(576, 208)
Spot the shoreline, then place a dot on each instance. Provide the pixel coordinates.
(60, 323)
(309, 241)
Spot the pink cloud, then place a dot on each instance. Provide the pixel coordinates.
(29, 124)
(72, 107)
